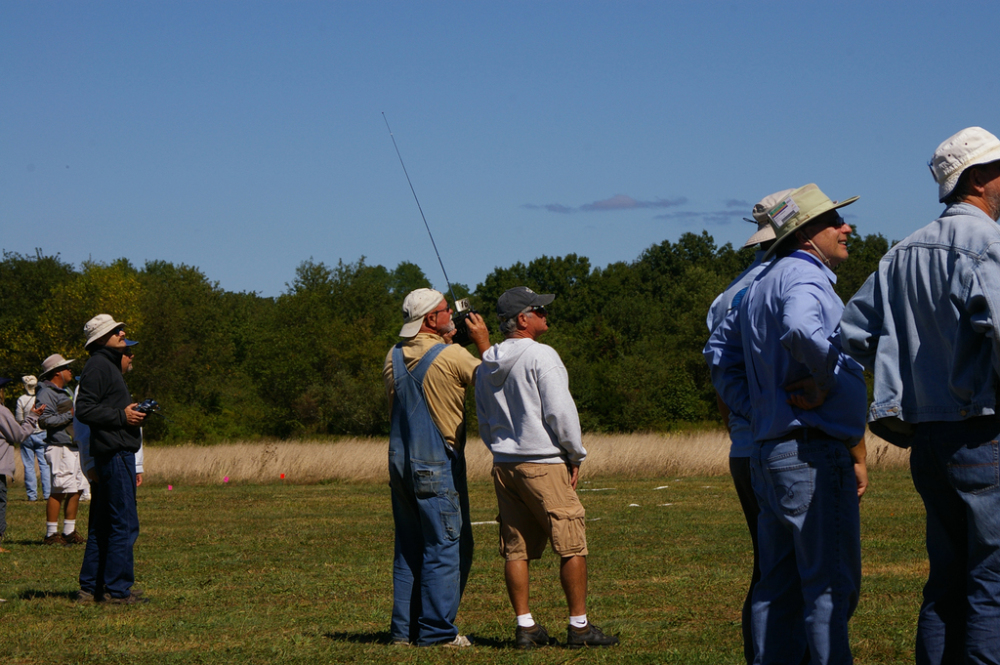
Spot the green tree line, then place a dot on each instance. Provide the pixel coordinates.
(227, 365)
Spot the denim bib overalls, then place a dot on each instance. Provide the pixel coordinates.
(430, 507)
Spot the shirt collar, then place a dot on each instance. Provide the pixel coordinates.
(802, 254)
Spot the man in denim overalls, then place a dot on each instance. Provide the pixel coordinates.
(425, 380)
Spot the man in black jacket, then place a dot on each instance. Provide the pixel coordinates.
(105, 405)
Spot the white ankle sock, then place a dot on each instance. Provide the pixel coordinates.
(578, 622)
(525, 620)
(51, 528)
(69, 526)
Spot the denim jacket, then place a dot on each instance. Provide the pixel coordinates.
(924, 321)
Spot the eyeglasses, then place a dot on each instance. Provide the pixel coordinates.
(540, 310)
(436, 312)
(120, 330)
(128, 353)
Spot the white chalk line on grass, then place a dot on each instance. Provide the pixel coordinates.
(597, 489)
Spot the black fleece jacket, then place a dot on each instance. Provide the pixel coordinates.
(101, 404)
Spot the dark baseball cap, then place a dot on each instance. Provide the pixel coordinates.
(516, 300)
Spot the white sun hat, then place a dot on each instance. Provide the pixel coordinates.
(797, 209)
(98, 327)
(760, 218)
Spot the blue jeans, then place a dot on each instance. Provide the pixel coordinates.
(955, 470)
(809, 533)
(108, 565)
(33, 448)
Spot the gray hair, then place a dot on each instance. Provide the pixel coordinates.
(509, 326)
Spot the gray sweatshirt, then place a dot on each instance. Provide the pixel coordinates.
(525, 410)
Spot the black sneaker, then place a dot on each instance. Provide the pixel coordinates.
(529, 638)
(588, 636)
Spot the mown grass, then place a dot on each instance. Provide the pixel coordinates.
(302, 574)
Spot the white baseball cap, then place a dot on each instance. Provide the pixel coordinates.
(418, 304)
(970, 147)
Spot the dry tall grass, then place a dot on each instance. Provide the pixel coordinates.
(631, 455)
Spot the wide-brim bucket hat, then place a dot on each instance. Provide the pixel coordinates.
(53, 364)
(98, 327)
(797, 209)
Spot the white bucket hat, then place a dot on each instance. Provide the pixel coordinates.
(418, 304)
(970, 147)
(98, 327)
(30, 383)
(52, 364)
(760, 218)
(797, 209)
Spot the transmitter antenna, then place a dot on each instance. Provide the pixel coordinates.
(426, 225)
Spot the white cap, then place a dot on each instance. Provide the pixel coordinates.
(970, 147)
(418, 304)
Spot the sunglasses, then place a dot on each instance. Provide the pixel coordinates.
(539, 309)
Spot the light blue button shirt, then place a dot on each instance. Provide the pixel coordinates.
(924, 321)
(787, 328)
(739, 427)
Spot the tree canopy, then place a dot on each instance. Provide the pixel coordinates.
(227, 365)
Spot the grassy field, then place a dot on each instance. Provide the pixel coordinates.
(262, 573)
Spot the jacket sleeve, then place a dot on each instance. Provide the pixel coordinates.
(559, 410)
(11, 430)
(94, 385)
(862, 323)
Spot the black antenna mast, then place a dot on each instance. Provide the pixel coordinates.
(427, 226)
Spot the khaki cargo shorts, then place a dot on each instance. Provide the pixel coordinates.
(64, 465)
(537, 504)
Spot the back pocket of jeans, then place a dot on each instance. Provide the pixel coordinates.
(793, 487)
(975, 470)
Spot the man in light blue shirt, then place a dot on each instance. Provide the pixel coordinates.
(777, 362)
(739, 427)
(925, 322)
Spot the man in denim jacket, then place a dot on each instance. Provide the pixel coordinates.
(924, 322)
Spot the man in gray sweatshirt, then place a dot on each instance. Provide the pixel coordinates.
(528, 420)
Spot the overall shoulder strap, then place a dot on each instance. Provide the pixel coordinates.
(420, 370)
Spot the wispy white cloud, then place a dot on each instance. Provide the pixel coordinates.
(616, 202)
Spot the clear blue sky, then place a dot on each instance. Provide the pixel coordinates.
(246, 137)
